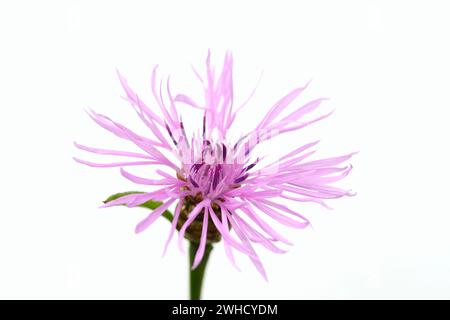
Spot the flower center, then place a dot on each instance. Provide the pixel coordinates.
(213, 171)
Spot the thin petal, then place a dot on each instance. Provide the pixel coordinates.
(186, 100)
(279, 106)
(137, 198)
(174, 225)
(305, 124)
(279, 217)
(283, 208)
(133, 98)
(264, 226)
(144, 224)
(254, 258)
(255, 236)
(140, 180)
(326, 162)
(201, 248)
(307, 199)
(228, 248)
(116, 164)
(225, 233)
(192, 215)
(307, 108)
(111, 152)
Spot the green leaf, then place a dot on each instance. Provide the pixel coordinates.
(152, 205)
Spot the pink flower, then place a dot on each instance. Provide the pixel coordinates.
(218, 185)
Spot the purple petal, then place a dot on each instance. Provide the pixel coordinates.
(185, 99)
(140, 180)
(111, 152)
(194, 213)
(279, 106)
(226, 234)
(228, 248)
(307, 108)
(255, 236)
(264, 226)
(133, 98)
(279, 217)
(144, 224)
(201, 248)
(254, 258)
(116, 164)
(174, 225)
(283, 208)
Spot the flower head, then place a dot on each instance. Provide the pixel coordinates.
(221, 190)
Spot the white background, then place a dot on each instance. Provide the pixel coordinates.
(384, 64)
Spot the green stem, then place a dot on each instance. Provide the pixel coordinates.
(197, 274)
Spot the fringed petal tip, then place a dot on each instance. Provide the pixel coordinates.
(89, 111)
(118, 72)
(108, 205)
(138, 229)
(181, 248)
(236, 267)
(329, 113)
(77, 160)
(264, 275)
(195, 265)
(354, 153)
(306, 224)
(280, 251)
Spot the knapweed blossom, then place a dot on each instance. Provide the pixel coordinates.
(219, 188)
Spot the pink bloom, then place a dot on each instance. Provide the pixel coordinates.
(216, 183)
